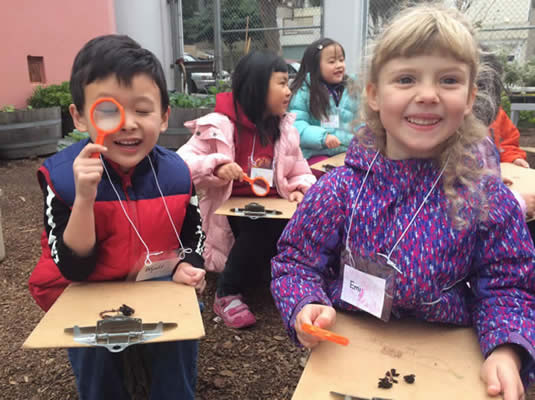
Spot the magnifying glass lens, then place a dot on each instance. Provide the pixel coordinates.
(260, 187)
(107, 116)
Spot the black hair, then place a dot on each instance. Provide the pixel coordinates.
(117, 55)
(310, 65)
(250, 85)
(490, 87)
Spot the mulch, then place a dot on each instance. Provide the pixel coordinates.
(257, 363)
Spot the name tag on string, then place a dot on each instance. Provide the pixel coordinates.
(363, 290)
(333, 122)
(263, 172)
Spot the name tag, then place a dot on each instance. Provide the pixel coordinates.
(157, 269)
(263, 172)
(333, 122)
(363, 290)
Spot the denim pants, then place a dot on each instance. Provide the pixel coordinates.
(100, 373)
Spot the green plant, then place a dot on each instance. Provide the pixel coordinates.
(71, 138)
(8, 108)
(51, 96)
(183, 100)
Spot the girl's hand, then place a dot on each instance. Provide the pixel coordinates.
(229, 172)
(317, 315)
(529, 198)
(521, 163)
(500, 372)
(296, 196)
(189, 275)
(331, 141)
(87, 172)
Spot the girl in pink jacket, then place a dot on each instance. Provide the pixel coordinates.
(250, 132)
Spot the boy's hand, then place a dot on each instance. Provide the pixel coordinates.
(521, 163)
(331, 141)
(229, 172)
(317, 315)
(296, 196)
(500, 372)
(87, 172)
(189, 275)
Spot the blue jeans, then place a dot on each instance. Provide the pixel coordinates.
(99, 373)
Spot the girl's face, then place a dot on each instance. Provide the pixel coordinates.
(278, 96)
(421, 101)
(332, 64)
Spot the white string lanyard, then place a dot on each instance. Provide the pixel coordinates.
(148, 261)
(251, 157)
(387, 257)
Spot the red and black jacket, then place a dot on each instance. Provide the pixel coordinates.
(117, 247)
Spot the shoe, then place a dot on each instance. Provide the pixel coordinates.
(233, 311)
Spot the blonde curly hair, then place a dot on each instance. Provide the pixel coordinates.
(426, 29)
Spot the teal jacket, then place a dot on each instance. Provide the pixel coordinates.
(312, 134)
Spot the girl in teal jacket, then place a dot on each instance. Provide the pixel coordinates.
(322, 101)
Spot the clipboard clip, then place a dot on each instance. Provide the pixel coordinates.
(254, 210)
(118, 332)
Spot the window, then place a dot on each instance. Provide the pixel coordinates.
(298, 22)
(36, 69)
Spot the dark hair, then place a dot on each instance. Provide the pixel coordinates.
(250, 85)
(490, 86)
(117, 55)
(310, 66)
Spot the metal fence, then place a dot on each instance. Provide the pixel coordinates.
(284, 26)
(505, 26)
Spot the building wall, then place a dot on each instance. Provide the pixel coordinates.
(52, 29)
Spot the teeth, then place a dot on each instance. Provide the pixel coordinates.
(128, 142)
(420, 121)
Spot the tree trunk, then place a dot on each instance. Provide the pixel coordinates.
(268, 15)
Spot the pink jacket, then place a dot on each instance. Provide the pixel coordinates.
(212, 144)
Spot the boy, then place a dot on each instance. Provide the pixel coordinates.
(103, 216)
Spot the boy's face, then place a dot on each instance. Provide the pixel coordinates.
(144, 118)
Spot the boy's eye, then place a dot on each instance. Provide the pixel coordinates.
(143, 112)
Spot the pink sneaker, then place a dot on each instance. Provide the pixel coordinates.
(234, 312)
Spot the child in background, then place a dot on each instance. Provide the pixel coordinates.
(97, 227)
(250, 132)
(322, 101)
(503, 132)
(414, 207)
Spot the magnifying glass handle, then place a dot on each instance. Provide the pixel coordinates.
(325, 334)
(99, 140)
(247, 179)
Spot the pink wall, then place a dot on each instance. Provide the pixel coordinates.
(53, 29)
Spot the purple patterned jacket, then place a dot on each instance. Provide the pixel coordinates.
(481, 275)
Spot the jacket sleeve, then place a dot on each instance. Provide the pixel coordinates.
(312, 135)
(200, 153)
(507, 138)
(504, 284)
(192, 234)
(308, 251)
(56, 216)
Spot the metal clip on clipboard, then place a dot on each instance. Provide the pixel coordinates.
(118, 332)
(254, 210)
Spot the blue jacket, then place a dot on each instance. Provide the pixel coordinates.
(312, 135)
(482, 274)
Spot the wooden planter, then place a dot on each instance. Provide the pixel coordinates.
(29, 133)
(176, 135)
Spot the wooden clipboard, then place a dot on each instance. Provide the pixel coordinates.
(445, 360)
(523, 178)
(329, 163)
(153, 301)
(285, 209)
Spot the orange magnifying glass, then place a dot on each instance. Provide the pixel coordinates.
(259, 185)
(107, 117)
(325, 334)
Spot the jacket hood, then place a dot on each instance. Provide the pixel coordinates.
(224, 104)
(361, 152)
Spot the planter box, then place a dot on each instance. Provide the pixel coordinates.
(176, 134)
(29, 133)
